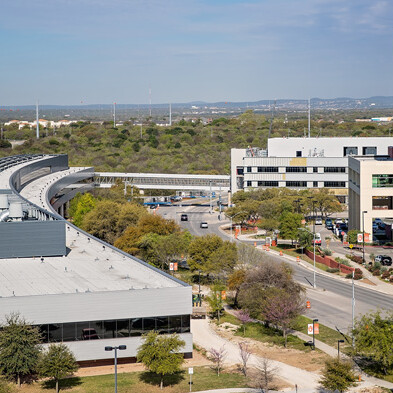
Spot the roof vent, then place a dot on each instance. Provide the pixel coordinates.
(3, 202)
(16, 211)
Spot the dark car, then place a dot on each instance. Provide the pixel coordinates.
(184, 217)
(384, 260)
(89, 334)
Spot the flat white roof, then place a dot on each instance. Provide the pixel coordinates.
(163, 175)
(90, 265)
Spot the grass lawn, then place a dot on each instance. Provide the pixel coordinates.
(327, 335)
(204, 378)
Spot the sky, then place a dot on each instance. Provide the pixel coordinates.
(68, 52)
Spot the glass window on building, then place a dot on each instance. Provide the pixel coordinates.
(382, 181)
(267, 169)
(249, 183)
(240, 170)
(69, 331)
(315, 169)
(298, 153)
(55, 332)
(84, 332)
(123, 328)
(185, 324)
(267, 183)
(109, 329)
(350, 151)
(249, 169)
(334, 184)
(296, 169)
(149, 324)
(369, 151)
(136, 327)
(334, 169)
(162, 325)
(296, 184)
(382, 203)
(315, 184)
(43, 329)
(175, 324)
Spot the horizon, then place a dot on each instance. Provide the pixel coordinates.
(72, 53)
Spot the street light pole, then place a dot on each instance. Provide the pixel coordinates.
(231, 217)
(353, 307)
(305, 229)
(338, 348)
(313, 333)
(363, 212)
(121, 348)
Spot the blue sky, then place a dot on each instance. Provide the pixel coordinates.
(103, 51)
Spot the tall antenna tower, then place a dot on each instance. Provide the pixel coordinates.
(170, 114)
(37, 120)
(309, 118)
(149, 101)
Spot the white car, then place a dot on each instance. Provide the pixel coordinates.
(204, 225)
(318, 221)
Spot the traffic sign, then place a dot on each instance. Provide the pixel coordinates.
(351, 246)
(190, 370)
(171, 266)
(360, 238)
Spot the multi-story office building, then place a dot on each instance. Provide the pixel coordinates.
(302, 163)
(371, 193)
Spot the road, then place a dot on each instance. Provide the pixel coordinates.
(331, 301)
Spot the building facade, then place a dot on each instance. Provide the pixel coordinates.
(371, 194)
(302, 163)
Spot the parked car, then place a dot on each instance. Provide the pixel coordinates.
(204, 225)
(329, 223)
(338, 221)
(375, 227)
(89, 334)
(318, 239)
(318, 221)
(184, 217)
(384, 260)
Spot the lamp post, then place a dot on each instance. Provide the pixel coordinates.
(231, 217)
(313, 333)
(338, 348)
(363, 212)
(121, 348)
(305, 229)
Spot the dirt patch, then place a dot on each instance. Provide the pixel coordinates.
(367, 281)
(197, 360)
(310, 361)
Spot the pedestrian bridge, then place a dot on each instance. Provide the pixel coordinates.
(164, 181)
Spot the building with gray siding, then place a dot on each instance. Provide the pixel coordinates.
(78, 289)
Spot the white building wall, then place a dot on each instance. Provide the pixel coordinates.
(325, 147)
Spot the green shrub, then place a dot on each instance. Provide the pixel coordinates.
(327, 251)
(332, 270)
(376, 272)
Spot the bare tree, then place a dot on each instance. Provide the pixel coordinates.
(244, 317)
(244, 356)
(218, 356)
(265, 375)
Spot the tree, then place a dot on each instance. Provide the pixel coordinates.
(353, 236)
(337, 375)
(265, 375)
(245, 354)
(261, 282)
(85, 204)
(19, 349)
(4, 386)
(244, 317)
(160, 354)
(235, 280)
(217, 356)
(305, 238)
(373, 336)
(200, 250)
(215, 299)
(281, 308)
(289, 224)
(57, 362)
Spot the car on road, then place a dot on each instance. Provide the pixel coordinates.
(318, 239)
(318, 221)
(153, 207)
(384, 260)
(338, 221)
(184, 217)
(329, 223)
(204, 225)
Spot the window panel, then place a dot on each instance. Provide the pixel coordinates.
(350, 151)
(149, 324)
(69, 331)
(267, 183)
(382, 203)
(267, 169)
(296, 169)
(109, 329)
(370, 151)
(334, 169)
(136, 326)
(55, 332)
(123, 328)
(380, 181)
(43, 329)
(185, 324)
(83, 331)
(175, 324)
(162, 325)
(296, 184)
(249, 183)
(335, 184)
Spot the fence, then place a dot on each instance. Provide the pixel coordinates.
(325, 260)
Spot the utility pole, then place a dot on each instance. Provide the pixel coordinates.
(309, 118)
(37, 120)
(353, 307)
(114, 114)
